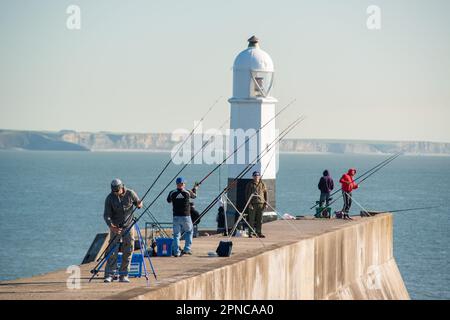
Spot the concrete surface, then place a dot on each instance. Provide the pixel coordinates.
(299, 259)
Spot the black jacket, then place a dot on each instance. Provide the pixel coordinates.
(180, 199)
(326, 184)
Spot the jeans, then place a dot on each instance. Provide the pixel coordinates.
(324, 197)
(182, 224)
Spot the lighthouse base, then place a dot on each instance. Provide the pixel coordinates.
(236, 195)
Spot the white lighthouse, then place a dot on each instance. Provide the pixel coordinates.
(252, 106)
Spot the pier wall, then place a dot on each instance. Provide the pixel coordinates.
(351, 262)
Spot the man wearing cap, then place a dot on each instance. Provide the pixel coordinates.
(257, 191)
(182, 222)
(118, 215)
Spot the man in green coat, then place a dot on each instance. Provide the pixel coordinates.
(258, 203)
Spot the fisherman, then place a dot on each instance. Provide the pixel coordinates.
(326, 185)
(256, 189)
(220, 219)
(182, 222)
(118, 215)
(348, 185)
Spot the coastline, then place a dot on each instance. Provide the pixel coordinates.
(409, 154)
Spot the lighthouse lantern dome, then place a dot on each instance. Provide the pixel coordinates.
(252, 72)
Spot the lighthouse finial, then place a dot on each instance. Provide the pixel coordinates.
(253, 42)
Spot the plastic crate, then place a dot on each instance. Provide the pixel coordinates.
(164, 247)
(322, 212)
(136, 264)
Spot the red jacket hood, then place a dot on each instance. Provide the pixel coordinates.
(352, 171)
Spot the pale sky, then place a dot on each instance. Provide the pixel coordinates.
(155, 66)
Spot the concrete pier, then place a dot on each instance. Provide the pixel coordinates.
(299, 259)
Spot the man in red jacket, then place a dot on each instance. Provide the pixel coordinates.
(348, 185)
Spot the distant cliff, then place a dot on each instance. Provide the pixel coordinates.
(103, 141)
(365, 147)
(30, 140)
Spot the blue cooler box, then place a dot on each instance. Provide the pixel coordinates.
(136, 264)
(164, 247)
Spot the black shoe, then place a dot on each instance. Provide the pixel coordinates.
(261, 235)
(186, 252)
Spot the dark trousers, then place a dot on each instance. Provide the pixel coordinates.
(194, 217)
(324, 197)
(347, 196)
(255, 215)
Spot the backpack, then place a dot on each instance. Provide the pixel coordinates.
(224, 248)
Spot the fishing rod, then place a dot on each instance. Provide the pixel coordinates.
(178, 150)
(250, 166)
(181, 146)
(268, 205)
(398, 210)
(371, 172)
(235, 150)
(185, 165)
(242, 144)
(107, 251)
(377, 167)
(247, 204)
(246, 140)
(95, 271)
(375, 171)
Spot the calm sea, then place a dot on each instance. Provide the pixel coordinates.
(51, 205)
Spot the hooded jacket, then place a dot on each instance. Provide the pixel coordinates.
(326, 183)
(347, 182)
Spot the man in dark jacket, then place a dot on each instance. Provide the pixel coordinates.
(326, 185)
(182, 222)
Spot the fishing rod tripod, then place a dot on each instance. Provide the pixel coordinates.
(144, 252)
(241, 218)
